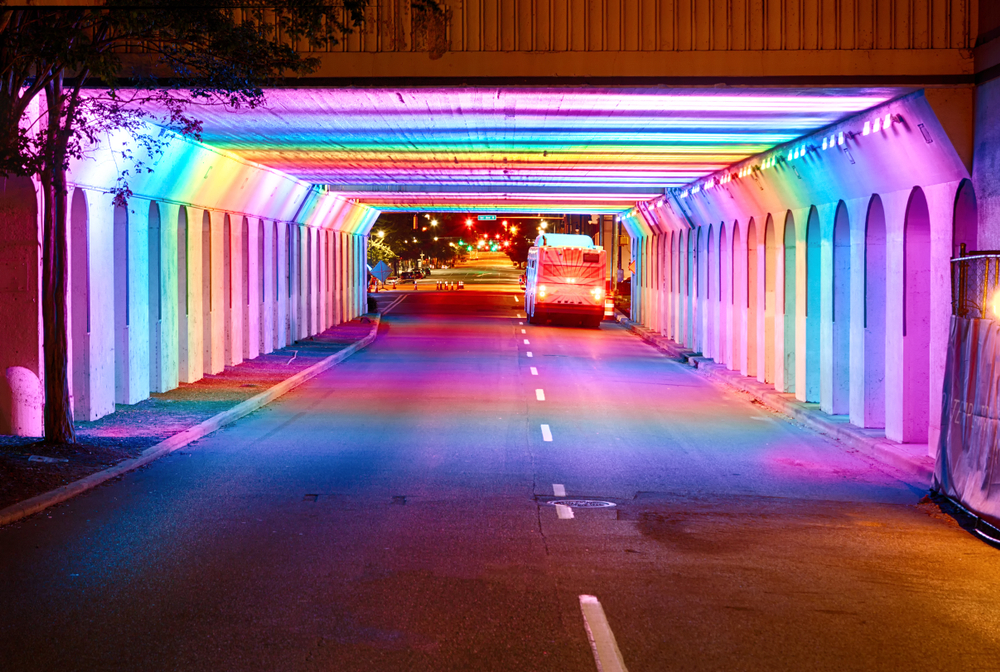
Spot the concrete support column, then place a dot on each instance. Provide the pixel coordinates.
(293, 282)
(725, 294)
(636, 291)
(131, 305)
(766, 261)
(338, 271)
(740, 288)
(281, 286)
(21, 358)
(895, 214)
(315, 282)
(302, 251)
(827, 214)
(166, 325)
(941, 200)
(215, 328)
(364, 273)
(190, 336)
(233, 300)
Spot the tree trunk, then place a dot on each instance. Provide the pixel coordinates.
(55, 246)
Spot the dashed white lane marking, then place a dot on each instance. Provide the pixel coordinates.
(602, 640)
(563, 511)
(523, 331)
(534, 371)
(529, 353)
(526, 342)
(520, 322)
(517, 300)
(546, 433)
(540, 395)
(520, 315)
(558, 489)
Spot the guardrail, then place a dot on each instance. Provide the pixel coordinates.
(975, 284)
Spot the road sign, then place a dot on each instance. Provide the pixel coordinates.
(382, 271)
(486, 218)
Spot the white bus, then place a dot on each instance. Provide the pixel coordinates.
(565, 279)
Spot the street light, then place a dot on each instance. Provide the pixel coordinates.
(468, 222)
(545, 224)
(381, 234)
(434, 222)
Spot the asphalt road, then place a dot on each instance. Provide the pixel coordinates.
(392, 514)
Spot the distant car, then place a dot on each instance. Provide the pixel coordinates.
(427, 272)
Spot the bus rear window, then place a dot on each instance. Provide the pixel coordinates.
(591, 258)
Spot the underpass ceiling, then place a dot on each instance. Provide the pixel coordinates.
(584, 150)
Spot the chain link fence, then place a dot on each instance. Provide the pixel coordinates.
(975, 285)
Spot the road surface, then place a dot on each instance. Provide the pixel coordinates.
(395, 513)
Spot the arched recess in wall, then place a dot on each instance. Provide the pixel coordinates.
(965, 230)
(289, 283)
(227, 287)
(813, 308)
(874, 314)
(841, 312)
(275, 286)
(916, 318)
(770, 297)
(789, 305)
(721, 308)
(80, 303)
(752, 298)
(691, 276)
(183, 299)
(710, 290)
(207, 298)
(155, 300)
(735, 298)
(307, 289)
(122, 304)
(245, 303)
(262, 289)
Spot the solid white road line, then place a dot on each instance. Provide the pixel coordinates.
(564, 512)
(602, 640)
(529, 353)
(546, 433)
(534, 371)
(540, 395)
(526, 342)
(394, 304)
(558, 489)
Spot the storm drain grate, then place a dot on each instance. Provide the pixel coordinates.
(581, 503)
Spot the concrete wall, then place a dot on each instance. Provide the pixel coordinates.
(844, 298)
(192, 276)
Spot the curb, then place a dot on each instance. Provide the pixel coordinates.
(879, 449)
(33, 505)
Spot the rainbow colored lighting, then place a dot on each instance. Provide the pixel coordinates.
(533, 149)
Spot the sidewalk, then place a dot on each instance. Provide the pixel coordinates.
(910, 458)
(34, 476)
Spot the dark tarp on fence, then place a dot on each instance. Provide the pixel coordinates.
(967, 467)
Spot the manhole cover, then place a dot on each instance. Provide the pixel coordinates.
(581, 503)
